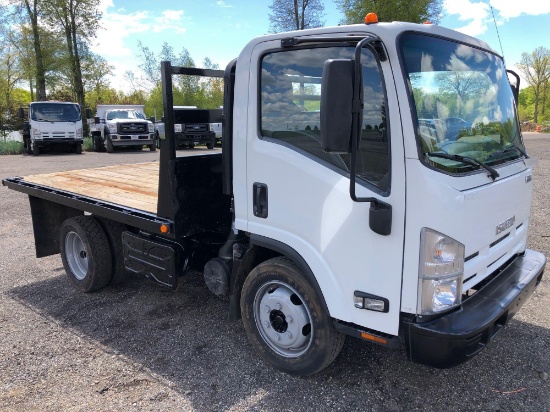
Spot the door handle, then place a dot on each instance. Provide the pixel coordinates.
(259, 200)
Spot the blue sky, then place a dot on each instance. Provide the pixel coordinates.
(219, 29)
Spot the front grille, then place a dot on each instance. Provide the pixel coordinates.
(58, 135)
(195, 128)
(132, 128)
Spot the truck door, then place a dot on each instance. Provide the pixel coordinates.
(298, 195)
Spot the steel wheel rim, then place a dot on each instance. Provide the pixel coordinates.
(282, 319)
(76, 255)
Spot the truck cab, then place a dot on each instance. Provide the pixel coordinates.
(400, 230)
(121, 126)
(51, 124)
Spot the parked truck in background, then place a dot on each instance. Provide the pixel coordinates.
(51, 124)
(193, 127)
(330, 210)
(121, 126)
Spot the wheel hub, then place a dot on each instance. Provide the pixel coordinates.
(282, 319)
(76, 255)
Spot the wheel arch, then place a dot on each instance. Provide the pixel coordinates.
(262, 249)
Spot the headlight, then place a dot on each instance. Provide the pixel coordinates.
(36, 134)
(177, 128)
(440, 272)
(151, 128)
(79, 133)
(112, 127)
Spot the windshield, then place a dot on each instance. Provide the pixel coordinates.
(463, 102)
(125, 114)
(55, 112)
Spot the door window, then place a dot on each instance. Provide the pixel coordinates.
(290, 109)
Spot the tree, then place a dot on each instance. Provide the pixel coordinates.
(415, 11)
(535, 68)
(79, 21)
(287, 15)
(33, 12)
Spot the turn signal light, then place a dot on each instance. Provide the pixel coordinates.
(164, 229)
(371, 18)
(373, 338)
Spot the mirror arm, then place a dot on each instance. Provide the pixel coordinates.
(380, 213)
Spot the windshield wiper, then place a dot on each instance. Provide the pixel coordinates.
(506, 150)
(465, 159)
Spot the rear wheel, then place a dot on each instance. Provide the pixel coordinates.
(139, 148)
(209, 145)
(285, 321)
(114, 230)
(85, 253)
(28, 145)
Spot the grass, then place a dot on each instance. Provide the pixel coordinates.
(87, 145)
(11, 148)
(14, 148)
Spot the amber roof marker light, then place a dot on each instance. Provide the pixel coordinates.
(371, 18)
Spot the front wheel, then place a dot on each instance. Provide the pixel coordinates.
(285, 321)
(86, 253)
(79, 148)
(35, 149)
(109, 145)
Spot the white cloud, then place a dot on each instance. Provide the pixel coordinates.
(170, 20)
(221, 3)
(478, 13)
(508, 9)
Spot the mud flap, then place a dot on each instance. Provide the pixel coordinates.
(154, 260)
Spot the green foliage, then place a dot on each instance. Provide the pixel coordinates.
(415, 11)
(87, 144)
(10, 147)
(526, 105)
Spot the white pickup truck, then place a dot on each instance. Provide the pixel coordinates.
(121, 125)
(51, 124)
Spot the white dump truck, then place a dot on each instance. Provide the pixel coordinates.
(121, 126)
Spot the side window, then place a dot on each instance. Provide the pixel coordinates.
(290, 108)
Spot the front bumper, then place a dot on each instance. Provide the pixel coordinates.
(57, 142)
(132, 140)
(456, 337)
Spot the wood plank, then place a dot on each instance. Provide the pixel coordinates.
(130, 185)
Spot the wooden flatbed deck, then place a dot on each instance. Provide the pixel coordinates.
(131, 185)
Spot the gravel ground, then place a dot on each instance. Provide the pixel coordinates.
(140, 347)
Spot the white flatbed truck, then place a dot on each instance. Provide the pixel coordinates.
(345, 215)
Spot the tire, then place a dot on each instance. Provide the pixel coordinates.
(86, 253)
(191, 145)
(153, 148)
(209, 145)
(97, 146)
(79, 148)
(139, 148)
(114, 230)
(285, 320)
(35, 149)
(109, 145)
(28, 145)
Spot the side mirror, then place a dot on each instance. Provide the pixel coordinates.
(336, 105)
(21, 113)
(88, 113)
(152, 119)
